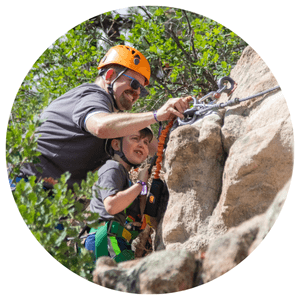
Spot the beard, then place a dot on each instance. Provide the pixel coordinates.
(126, 103)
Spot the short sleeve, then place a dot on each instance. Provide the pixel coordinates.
(88, 103)
(110, 182)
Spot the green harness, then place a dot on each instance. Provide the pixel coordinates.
(106, 241)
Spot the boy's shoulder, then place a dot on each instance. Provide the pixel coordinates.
(111, 165)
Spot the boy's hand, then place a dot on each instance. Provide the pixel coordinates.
(143, 175)
(137, 224)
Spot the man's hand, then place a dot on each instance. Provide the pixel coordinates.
(173, 108)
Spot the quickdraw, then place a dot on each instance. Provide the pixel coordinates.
(191, 115)
(200, 110)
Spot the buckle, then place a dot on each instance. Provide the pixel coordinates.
(126, 234)
(119, 230)
(109, 229)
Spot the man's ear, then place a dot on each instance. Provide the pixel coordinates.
(115, 144)
(110, 74)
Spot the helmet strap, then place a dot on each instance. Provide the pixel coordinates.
(110, 87)
(123, 157)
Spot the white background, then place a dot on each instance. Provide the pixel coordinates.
(29, 27)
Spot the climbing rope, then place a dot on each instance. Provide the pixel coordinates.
(160, 148)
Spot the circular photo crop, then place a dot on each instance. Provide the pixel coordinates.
(149, 150)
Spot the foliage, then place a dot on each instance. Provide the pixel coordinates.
(43, 212)
(187, 53)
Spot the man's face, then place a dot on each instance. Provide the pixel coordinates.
(125, 95)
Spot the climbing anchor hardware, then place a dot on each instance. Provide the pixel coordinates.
(200, 110)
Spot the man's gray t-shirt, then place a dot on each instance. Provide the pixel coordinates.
(112, 178)
(65, 145)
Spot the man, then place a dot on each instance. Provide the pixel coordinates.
(78, 122)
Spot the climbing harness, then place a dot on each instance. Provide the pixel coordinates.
(200, 110)
(106, 240)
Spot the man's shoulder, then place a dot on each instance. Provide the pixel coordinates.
(91, 87)
(84, 90)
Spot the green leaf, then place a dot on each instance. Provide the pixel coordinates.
(224, 64)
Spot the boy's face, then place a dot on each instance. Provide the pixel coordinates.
(136, 148)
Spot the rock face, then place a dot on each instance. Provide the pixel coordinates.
(258, 138)
(254, 139)
(227, 177)
(194, 165)
(227, 251)
(160, 272)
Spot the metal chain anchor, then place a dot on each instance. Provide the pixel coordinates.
(201, 110)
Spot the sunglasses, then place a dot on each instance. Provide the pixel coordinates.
(135, 85)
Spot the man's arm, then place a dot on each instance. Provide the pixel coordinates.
(112, 125)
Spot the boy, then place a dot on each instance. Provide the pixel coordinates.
(113, 194)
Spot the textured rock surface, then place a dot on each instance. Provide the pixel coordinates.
(160, 272)
(254, 139)
(227, 251)
(194, 166)
(258, 137)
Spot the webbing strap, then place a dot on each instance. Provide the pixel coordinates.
(101, 241)
(118, 230)
(124, 256)
(113, 247)
(106, 242)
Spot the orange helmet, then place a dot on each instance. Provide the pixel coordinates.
(128, 57)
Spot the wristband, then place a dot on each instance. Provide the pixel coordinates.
(155, 116)
(144, 185)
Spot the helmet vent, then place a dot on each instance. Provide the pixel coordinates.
(136, 59)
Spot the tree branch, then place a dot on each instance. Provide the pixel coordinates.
(175, 38)
(191, 34)
(145, 11)
(161, 83)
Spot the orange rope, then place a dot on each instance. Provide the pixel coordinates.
(160, 148)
